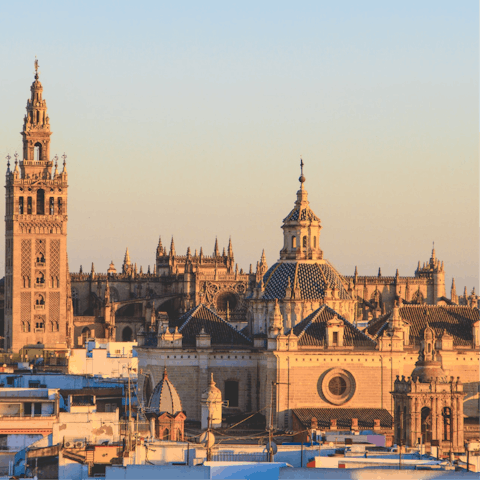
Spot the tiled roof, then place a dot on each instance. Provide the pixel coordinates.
(313, 279)
(376, 326)
(312, 330)
(301, 213)
(456, 320)
(344, 416)
(220, 331)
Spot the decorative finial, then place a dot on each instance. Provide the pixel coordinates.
(64, 159)
(302, 177)
(8, 157)
(36, 67)
(16, 157)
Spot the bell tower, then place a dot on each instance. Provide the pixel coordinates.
(36, 297)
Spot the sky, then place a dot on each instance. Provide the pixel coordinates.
(189, 119)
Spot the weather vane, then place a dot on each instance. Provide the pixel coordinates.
(36, 65)
(301, 165)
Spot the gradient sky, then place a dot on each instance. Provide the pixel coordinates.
(189, 118)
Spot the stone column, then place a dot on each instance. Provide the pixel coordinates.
(438, 415)
(433, 416)
(418, 420)
(454, 422)
(460, 422)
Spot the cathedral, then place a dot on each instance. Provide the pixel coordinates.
(294, 340)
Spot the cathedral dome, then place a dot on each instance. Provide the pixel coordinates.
(304, 280)
(165, 398)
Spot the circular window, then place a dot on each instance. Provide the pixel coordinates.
(337, 386)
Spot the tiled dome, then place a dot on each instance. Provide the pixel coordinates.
(165, 398)
(313, 279)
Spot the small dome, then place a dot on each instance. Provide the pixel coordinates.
(165, 398)
(428, 371)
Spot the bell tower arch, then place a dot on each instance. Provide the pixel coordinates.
(37, 301)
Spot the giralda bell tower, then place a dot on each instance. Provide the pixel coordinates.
(37, 300)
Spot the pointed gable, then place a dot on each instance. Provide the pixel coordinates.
(312, 330)
(220, 331)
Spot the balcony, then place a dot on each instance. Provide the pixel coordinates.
(40, 264)
(39, 307)
(39, 285)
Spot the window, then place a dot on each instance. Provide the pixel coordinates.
(314, 242)
(33, 383)
(305, 241)
(37, 149)
(335, 338)
(29, 205)
(40, 202)
(337, 386)
(51, 207)
(20, 205)
(40, 278)
(39, 324)
(59, 203)
(231, 393)
(294, 242)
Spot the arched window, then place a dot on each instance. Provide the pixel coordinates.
(231, 393)
(40, 202)
(37, 151)
(40, 278)
(51, 207)
(294, 242)
(59, 203)
(29, 206)
(426, 422)
(20, 205)
(305, 241)
(127, 334)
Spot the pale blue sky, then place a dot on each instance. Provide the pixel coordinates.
(188, 118)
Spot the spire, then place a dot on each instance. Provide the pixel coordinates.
(379, 272)
(159, 247)
(8, 157)
(36, 128)
(230, 248)
(172, 248)
(216, 251)
(302, 194)
(64, 171)
(126, 260)
(433, 252)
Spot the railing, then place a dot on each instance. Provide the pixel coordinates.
(240, 457)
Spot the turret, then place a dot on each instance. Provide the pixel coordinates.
(216, 251)
(301, 228)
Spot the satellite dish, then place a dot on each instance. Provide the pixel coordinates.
(207, 439)
(273, 446)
